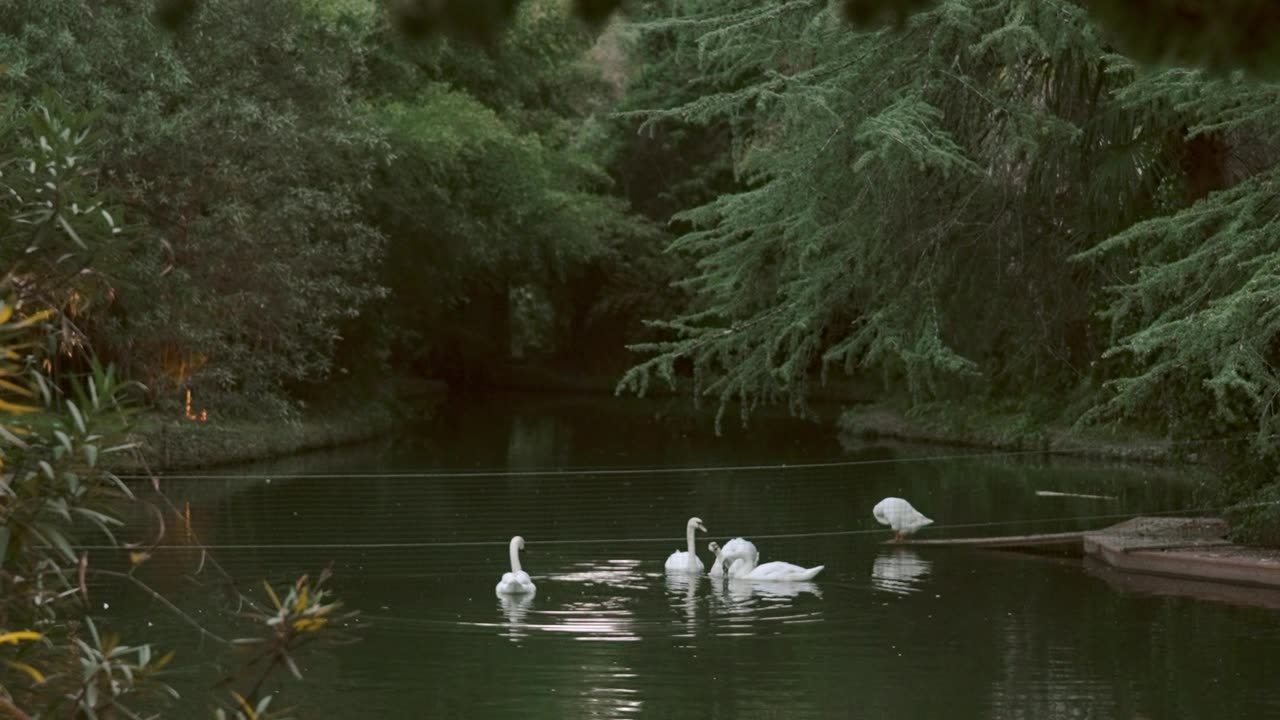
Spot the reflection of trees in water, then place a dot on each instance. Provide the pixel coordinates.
(1039, 680)
(537, 442)
(1067, 649)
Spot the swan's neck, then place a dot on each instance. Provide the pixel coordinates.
(515, 558)
(689, 536)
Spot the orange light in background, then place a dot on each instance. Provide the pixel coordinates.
(180, 366)
(204, 414)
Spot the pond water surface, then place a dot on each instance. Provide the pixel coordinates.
(883, 632)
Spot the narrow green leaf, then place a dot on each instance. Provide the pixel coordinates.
(293, 667)
(75, 415)
(66, 226)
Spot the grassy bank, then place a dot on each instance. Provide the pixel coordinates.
(173, 444)
(997, 430)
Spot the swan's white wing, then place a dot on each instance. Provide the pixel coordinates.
(515, 584)
(784, 572)
(680, 561)
(915, 522)
(740, 546)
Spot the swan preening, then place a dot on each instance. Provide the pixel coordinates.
(735, 546)
(742, 566)
(687, 561)
(516, 582)
(900, 516)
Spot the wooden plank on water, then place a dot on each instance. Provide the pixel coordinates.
(1004, 541)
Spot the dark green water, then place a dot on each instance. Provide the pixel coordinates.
(881, 633)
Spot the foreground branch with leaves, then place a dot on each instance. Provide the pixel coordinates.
(59, 435)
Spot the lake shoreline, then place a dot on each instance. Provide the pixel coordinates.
(958, 426)
(168, 444)
(870, 416)
(177, 443)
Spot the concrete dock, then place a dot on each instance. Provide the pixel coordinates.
(1194, 548)
(1188, 548)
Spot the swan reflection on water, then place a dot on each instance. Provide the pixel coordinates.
(740, 589)
(899, 571)
(750, 607)
(682, 591)
(516, 609)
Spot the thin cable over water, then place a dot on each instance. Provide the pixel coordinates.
(623, 471)
(579, 472)
(618, 541)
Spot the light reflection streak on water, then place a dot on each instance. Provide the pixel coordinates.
(604, 618)
(621, 574)
(610, 688)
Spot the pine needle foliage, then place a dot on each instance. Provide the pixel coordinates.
(1196, 316)
(910, 198)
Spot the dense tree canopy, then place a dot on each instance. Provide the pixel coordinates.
(988, 203)
(909, 199)
(239, 163)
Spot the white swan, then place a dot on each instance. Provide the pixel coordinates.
(516, 582)
(776, 571)
(899, 515)
(733, 547)
(687, 561)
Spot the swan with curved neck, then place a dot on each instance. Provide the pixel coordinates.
(899, 515)
(516, 582)
(742, 566)
(733, 547)
(687, 561)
